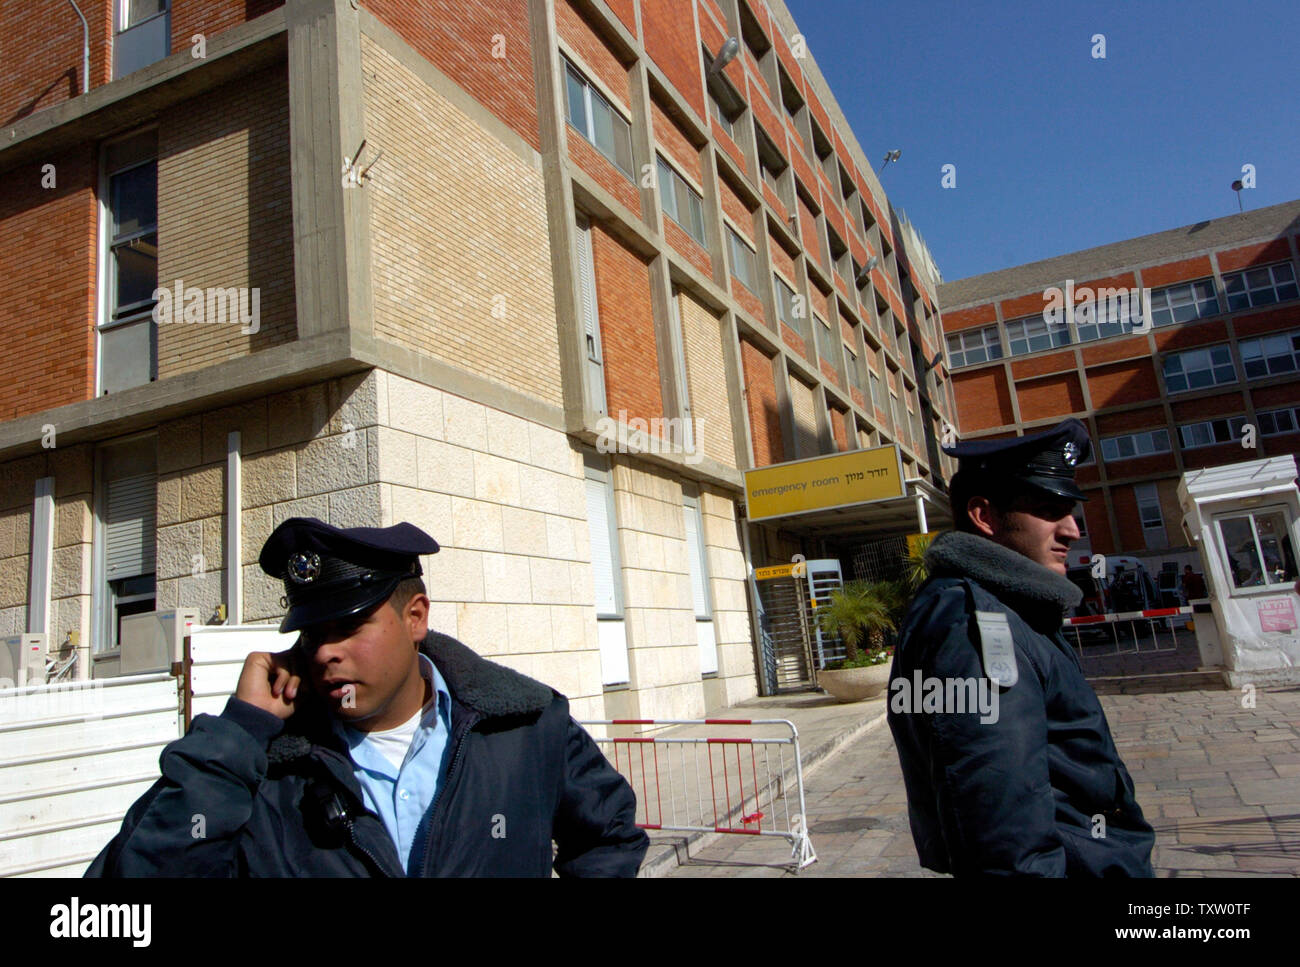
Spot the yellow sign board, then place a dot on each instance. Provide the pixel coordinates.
(823, 483)
(777, 571)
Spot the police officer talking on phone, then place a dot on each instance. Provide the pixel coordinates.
(1036, 787)
(376, 747)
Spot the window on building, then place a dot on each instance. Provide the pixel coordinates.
(720, 116)
(143, 35)
(1257, 548)
(597, 120)
(127, 511)
(1209, 432)
(1153, 521)
(851, 364)
(698, 564)
(1081, 521)
(743, 260)
(1260, 287)
(606, 570)
(724, 104)
(1274, 422)
(1270, 355)
(787, 310)
(773, 166)
(876, 399)
(1032, 334)
(826, 342)
(1199, 368)
(680, 201)
(1135, 445)
(971, 346)
(127, 333)
(1184, 302)
(1113, 315)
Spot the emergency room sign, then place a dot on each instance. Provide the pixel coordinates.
(823, 483)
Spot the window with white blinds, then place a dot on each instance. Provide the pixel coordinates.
(605, 543)
(595, 367)
(699, 564)
(605, 570)
(129, 523)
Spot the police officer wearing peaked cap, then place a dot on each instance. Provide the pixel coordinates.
(376, 747)
(331, 573)
(1037, 787)
(1045, 461)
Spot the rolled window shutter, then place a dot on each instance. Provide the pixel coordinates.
(587, 292)
(590, 317)
(129, 526)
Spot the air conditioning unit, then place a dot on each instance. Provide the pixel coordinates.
(22, 659)
(154, 641)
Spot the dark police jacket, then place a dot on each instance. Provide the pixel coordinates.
(245, 794)
(1041, 790)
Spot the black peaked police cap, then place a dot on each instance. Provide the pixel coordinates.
(1045, 460)
(331, 572)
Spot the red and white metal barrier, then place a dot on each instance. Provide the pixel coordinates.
(1112, 620)
(1093, 619)
(714, 784)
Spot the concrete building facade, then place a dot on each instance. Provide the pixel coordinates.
(1209, 379)
(527, 274)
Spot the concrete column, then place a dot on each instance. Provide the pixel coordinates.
(331, 235)
(579, 409)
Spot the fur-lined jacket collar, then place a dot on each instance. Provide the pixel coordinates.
(486, 689)
(1038, 595)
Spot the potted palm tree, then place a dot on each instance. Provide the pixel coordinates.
(915, 571)
(859, 613)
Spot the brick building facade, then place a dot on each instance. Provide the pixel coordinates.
(1210, 379)
(476, 232)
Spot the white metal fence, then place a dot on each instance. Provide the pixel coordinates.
(74, 756)
(738, 784)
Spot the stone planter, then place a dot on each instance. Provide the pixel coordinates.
(855, 684)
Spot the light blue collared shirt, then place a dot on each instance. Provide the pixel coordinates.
(402, 797)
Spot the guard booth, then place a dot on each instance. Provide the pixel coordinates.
(1245, 520)
(846, 513)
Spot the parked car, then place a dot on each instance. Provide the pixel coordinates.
(1128, 587)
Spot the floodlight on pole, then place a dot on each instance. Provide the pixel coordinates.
(866, 269)
(725, 56)
(891, 156)
(1237, 186)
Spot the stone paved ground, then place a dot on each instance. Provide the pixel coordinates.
(1219, 782)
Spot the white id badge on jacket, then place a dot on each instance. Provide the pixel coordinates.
(995, 643)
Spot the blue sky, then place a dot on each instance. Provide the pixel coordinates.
(1057, 151)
